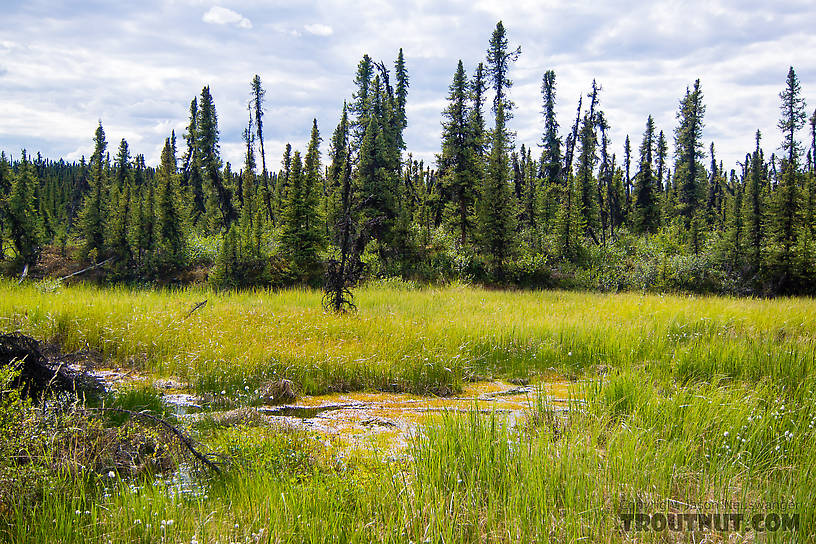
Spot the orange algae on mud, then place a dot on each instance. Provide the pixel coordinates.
(384, 421)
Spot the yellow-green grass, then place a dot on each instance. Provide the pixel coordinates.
(426, 340)
(700, 399)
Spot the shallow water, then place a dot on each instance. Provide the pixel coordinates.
(371, 420)
(385, 421)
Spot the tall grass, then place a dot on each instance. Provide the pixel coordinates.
(475, 479)
(426, 341)
(686, 401)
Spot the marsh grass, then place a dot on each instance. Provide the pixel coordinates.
(681, 402)
(423, 341)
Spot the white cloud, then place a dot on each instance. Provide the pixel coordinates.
(319, 29)
(218, 15)
(138, 66)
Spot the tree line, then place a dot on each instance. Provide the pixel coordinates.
(567, 210)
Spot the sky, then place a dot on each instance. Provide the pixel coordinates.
(66, 65)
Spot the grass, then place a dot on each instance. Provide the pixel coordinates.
(425, 341)
(688, 401)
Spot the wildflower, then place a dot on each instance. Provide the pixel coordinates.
(725, 433)
(111, 474)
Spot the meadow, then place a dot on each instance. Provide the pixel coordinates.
(684, 401)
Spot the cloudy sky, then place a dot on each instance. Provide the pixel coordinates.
(137, 65)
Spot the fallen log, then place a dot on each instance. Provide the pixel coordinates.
(88, 269)
(39, 376)
(185, 440)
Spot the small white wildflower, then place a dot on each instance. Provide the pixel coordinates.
(570, 354)
(78, 512)
(725, 433)
(223, 392)
(111, 474)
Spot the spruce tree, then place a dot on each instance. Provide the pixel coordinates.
(496, 211)
(227, 273)
(587, 159)
(191, 171)
(92, 214)
(301, 236)
(605, 174)
(5, 189)
(627, 164)
(529, 201)
(662, 152)
(170, 238)
(401, 96)
(333, 209)
(118, 227)
(122, 165)
(786, 219)
(258, 94)
(24, 222)
(646, 212)
(688, 150)
(221, 210)
(569, 221)
(550, 164)
(361, 102)
(754, 206)
(735, 229)
(456, 162)
(377, 173)
(498, 61)
(478, 127)
(284, 180)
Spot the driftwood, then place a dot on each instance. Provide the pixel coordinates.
(185, 440)
(92, 267)
(39, 376)
(196, 307)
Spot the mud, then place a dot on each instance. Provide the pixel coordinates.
(385, 421)
(379, 421)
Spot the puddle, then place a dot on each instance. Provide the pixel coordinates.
(182, 404)
(385, 421)
(368, 420)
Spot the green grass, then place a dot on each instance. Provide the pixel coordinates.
(425, 341)
(688, 400)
